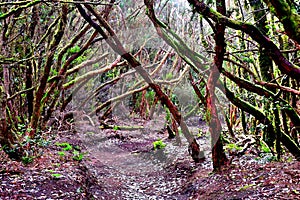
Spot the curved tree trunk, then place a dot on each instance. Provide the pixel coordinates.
(116, 45)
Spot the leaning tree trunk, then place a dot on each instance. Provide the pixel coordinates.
(116, 45)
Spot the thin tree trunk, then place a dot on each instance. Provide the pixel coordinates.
(215, 128)
(116, 45)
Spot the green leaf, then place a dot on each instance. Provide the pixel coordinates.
(61, 153)
(57, 175)
(264, 147)
(77, 156)
(233, 147)
(74, 49)
(27, 159)
(246, 187)
(66, 145)
(159, 144)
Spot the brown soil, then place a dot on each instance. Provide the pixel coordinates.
(124, 165)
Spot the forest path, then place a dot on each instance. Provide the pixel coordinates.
(127, 167)
(123, 165)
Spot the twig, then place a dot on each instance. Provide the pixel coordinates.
(19, 93)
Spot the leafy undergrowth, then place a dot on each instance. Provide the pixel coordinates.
(57, 174)
(65, 171)
(249, 179)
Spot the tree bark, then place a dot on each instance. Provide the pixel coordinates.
(215, 128)
(116, 45)
(283, 64)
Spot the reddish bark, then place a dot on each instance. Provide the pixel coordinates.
(272, 50)
(215, 127)
(117, 46)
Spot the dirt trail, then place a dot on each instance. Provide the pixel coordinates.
(123, 165)
(127, 166)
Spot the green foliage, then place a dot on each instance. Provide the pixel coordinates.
(245, 187)
(61, 153)
(53, 174)
(27, 159)
(169, 76)
(54, 72)
(74, 49)
(248, 60)
(233, 147)
(200, 133)
(77, 155)
(179, 131)
(264, 147)
(168, 115)
(290, 159)
(66, 145)
(20, 150)
(79, 60)
(56, 175)
(21, 129)
(159, 144)
(150, 96)
(174, 99)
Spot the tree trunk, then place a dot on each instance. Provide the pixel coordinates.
(215, 128)
(116, 45)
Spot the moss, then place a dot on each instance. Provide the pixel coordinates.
(288, 16)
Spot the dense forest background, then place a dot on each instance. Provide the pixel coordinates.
(232, 66)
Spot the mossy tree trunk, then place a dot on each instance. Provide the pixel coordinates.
(269, 53)
(265, 63)
(286, 12)
(117, 46)
(41, 94)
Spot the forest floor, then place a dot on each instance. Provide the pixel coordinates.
(113, 164)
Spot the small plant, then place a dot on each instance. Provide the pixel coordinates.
(233, 147)
(61, 153)
(55, 175)
(179, 131)
(66, 145)
(77, 155)
(245, 187)
(264, 147)
(169, 76)
(150, 96)
(27, 156)
(200, 133)
(74, 49)
(159, 144)
(27, 159)
(168, 116)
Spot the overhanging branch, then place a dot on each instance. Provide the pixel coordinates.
(284, 65)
